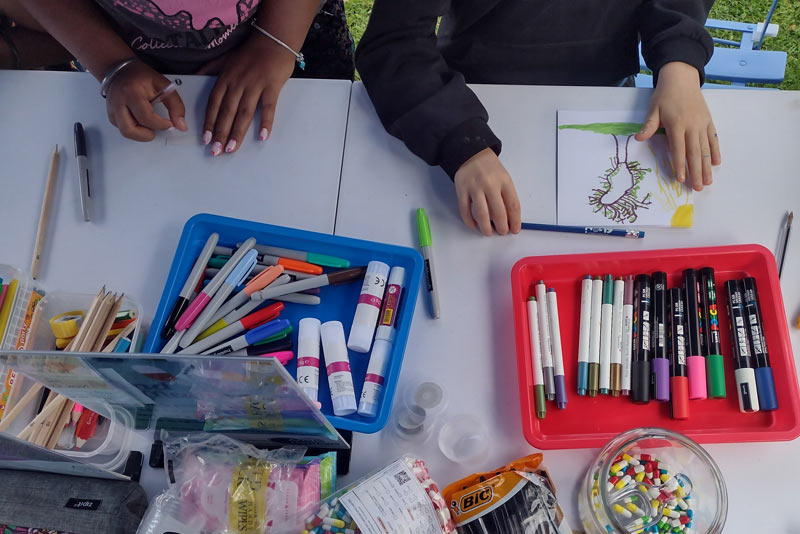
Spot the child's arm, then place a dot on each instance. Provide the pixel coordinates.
(254, 74)
(81, 28)
(676, 47)
(422, 101)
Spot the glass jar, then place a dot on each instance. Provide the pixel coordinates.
(689, 496)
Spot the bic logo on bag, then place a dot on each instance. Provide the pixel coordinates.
(472, 500)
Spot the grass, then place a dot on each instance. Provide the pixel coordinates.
(787, 16)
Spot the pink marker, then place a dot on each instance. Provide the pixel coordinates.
(284, 356)
(204, 297)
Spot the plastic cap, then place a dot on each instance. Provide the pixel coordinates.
(344, 405)
(640, 382)
(715, 376)
(311, 393)
(583, 377)
(423, 229)
(696, 369)
(767, 399)
(746, 387)
(660, 369)
(368, 409)
(680, 397)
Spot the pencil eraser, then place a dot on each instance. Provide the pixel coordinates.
(765, 382)
(696, 370)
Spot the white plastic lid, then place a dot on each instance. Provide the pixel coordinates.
(368, 409)
(378, 267)
(311, 393)
(411, 423)
(431, 396)
(308, 338)
(333, 344)
(361, 335)
(344, 405)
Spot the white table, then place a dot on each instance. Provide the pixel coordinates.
(471, 350)
(145, 192)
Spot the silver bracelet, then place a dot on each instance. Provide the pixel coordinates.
(301, 60)
(112, 73)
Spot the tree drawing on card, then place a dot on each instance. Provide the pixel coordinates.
(606, 177)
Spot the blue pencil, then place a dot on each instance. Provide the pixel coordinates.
(593, 230)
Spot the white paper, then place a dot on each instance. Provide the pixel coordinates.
(610, 179)
(392, 501)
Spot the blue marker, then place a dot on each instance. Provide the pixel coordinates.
(765, 382)
(250, 338)
(583, 341)
(591, 230)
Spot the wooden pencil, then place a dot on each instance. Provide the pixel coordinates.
(26, 399)
(44, 216)
(113, 343)
(84, 328)
(39, 420)
(33, 425)
(59, 425)
(43, 435)
(106, 325)
(96, 322)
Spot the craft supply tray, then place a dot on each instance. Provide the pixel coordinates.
(338, 302)
(592, 421)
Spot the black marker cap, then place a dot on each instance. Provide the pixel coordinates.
(640, 381)
(80, 140)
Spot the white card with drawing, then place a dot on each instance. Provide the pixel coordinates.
(608, 178)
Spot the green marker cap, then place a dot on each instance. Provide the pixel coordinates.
(539, 401)
(608, 289)
(280, 335)
(327, 261)
(423, 229)
(218, 262)
(715, 376)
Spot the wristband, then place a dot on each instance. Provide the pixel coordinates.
(112, 73)
(299, 58)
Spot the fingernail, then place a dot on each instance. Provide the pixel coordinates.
(181, 124)
(171, 129)
(263, 134)
(216, 148)
(230, 146)
(206, 137)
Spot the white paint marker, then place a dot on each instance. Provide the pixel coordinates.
(558, 359)
(583, 340)
(594, 335)
(627, 335)
(616, 338)
(536, 359)
(544, 335)
(606, 315)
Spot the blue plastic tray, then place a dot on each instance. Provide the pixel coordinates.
(338, 302)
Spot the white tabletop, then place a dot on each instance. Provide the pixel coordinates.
(471, 350)
(145, 192)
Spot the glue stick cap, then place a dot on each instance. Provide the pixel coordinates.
(373, 385)
(369, 306)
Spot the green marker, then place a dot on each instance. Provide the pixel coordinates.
(426, 247)
(536, 359)
(275, 337)
(606, 316)
(715, 367)
(308, 257)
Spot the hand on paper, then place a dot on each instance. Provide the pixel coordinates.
(252, 74)
(486, 195)
(128, 103)
(678, 105)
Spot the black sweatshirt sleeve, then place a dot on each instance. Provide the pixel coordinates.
(673, 30)
(419, 99)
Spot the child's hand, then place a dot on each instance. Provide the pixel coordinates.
(486, 195)
(129, 108)
(678, 105)
(253, 74)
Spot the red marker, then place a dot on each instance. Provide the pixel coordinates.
(248, 322)
(679, 383)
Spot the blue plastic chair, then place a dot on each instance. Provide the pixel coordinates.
(746, 63)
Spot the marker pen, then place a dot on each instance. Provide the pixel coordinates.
(426, 248)
(259, 282)
(695, 362)
(627, 335)
(765, 382)
(308, 257)
(308, 340)
(188, 287)
(539, 398)
(640, 365)
(558, 358)
(202, 299)
(606, 317)
(382, 347)
(84, 184)
(616, 338)
(258, 349)
(369, 307)
(546, 342)
(594, 336)
(250, 338)
(679, 383)
(340, 381)
(742, 359)
(334, 278)
(583, 340)
(715, 367)
(659, 364)
(254, 320)
(236, 277)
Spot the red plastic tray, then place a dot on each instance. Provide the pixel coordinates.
(591, 422)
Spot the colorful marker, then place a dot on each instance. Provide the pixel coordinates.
(259, 282)
(695, 362)
(250, 338)
(742, 359)
(583, 340)
(627, 335)
(616, 338)
(258, 349)
(765, 382)
(254, 320)
(268, 260)
(546, 342)
(558, 358)
(536, 359)
(606, 318)
(188, 287)
(659, 364)
(715, 366)
(308, 257)
(334, 278)
(640, 365)
(679, 383)
(594, 336)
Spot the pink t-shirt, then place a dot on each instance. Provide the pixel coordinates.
(179, 36)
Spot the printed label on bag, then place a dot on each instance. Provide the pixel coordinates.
(248, 494)
(393, 501)
(83, 504)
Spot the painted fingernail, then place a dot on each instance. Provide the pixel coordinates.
(171, 129)
(230, 146)
(206, 137)
(216, 148)
(181, 124)
(263, 134)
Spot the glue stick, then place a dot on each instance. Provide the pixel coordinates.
(308, 356)
(340, 380)
(369, 306)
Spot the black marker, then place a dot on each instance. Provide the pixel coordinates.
(765, 381)
(82, 159)
(640, 366)
(742, 359)
(660, 362)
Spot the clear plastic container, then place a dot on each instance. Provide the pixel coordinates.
(688, 467)
(464, 439)
(21, 298)
(417, 409)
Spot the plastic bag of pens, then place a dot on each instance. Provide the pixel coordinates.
(518, 498)
(401, 498)
(221, 486)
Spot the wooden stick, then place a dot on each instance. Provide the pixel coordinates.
(58, 427)
(96, 323)
(44, 216)
(38, 422)
(84, 328)
(127, 330)
(9, 417)
(106, 326)
(44, 436)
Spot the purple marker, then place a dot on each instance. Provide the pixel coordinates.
(660, 361)
(555, 340)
